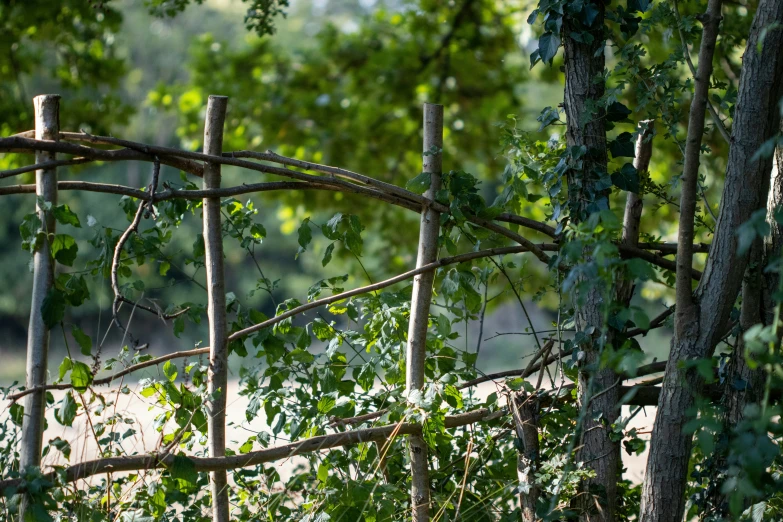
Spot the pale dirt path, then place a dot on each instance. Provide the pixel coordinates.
(143, 411)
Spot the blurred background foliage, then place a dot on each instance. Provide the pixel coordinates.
(340, 82)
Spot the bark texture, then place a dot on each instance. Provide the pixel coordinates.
(420, 305)
(701, 327)
(216, 308)
(524, 412)
(47, 127)
(584, 87)
(744, 385)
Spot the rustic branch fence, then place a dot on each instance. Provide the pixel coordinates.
(47, 141)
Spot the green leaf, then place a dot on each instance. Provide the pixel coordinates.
(170, 371)
(62, 445)
(75, 286)
(325, 404)
(53, 308)
(301, 356)
(366, 377)
(305, 236)
(179, 326)
(589, 14)
(247, 447)
(81, 376)
(639, 5)
(452, 396)
(184, 469)
(258, 231)
(321, 330)
(65, 367)
(354, 242)
(627, 178)
(17, 413)
(548, 44)
(327, 255)
(640, 269)
(64, 249)
(331, 228)
(323, 472)
(164, 267)
(622, 146)
(198, 247)
(617, 112)
(84, 341)
(547, 117)
(63, 214)
(420, 183)
(66, 413)
(30, 231)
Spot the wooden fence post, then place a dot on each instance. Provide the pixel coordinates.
(420, 304)
(216, 308)
(47, 127)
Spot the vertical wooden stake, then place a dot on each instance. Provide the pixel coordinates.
(47, 127)
(420, 304)
(216, 308)
(525, 415)
(633, 202)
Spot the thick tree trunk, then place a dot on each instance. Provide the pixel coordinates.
(420, 305)
(744, 385)
(584, 63)
(47, 127)
(216, 308)
(700, 327)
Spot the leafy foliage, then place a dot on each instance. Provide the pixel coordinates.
(352, 98)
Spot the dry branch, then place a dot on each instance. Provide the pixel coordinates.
(108, 380)
(25, 145)
(461, 258)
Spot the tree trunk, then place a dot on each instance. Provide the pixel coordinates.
(584, 63)
(700, 327)
(216, 308)
(47, 127)
(420, 305)
(744, 385)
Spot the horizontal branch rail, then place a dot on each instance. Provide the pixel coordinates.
(646, 395)
(186, 160)
(25, 145)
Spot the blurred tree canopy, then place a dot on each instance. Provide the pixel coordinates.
(338, 82)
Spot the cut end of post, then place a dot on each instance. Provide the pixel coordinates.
(213, 126)
(47, 117)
